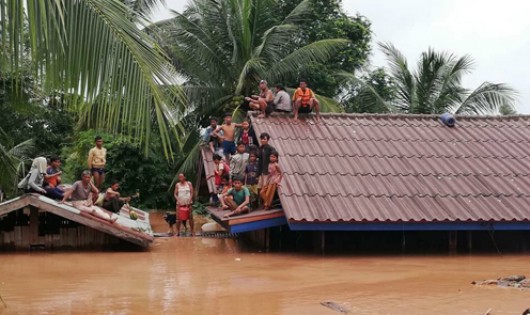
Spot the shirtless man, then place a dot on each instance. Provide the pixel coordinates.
(228, 134)
(97, 159)
(263, 102)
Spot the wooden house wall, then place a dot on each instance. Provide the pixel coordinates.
(33, 228)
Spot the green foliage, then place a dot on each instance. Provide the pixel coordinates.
(223, 48)
(96, 52)
(326, 19)
(149, 174)
(370, 94)
(435, 86)
(199, 209)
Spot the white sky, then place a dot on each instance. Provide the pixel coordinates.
(495, 33)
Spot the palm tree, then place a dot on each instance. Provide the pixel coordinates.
(12, 157)
(223, 48)
(94, 52)
(436, 85)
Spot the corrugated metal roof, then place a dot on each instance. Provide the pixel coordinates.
(402, 168)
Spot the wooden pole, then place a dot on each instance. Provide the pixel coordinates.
(470, 241)
(33, 226)
(453, 241)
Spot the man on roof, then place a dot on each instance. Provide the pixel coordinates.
(263, 102)
(305, 101)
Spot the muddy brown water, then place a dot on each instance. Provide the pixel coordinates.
(212, 276)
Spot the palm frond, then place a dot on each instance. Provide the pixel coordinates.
(319, 51)
(488, 98)
(94, 51)
(403, 78)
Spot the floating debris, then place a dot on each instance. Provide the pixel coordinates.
(335, 306)
(515, 281)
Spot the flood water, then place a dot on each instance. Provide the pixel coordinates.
(211, 276)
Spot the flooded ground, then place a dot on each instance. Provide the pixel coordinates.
(211, 276)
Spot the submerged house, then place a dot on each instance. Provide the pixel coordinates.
(373, 172)
(35, 221)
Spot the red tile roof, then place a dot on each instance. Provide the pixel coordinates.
(402, 168)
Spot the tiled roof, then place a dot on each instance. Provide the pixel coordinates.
(402, 168)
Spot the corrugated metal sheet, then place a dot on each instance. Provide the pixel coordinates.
(402, 168)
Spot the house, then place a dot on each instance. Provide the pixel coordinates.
(33, 220)
(387, 172)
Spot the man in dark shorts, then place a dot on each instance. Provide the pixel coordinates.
(263, 102)
(97, 159)
(305, 101)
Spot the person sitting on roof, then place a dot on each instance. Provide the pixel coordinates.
(81, 194)
(34, 181)
(113, 201)
(52, 179)
(184, 196)
(305, 101)
(273, 181)
(236, 199)
(282, 100)
(263, 102)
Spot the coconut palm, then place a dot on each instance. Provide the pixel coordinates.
(436, 85)
(94, 52)
(12, 157)
(223, 48)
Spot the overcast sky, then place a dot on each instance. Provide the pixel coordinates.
(495, 33)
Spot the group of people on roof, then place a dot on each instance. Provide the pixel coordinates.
(44, 177)
(246, 175)
(303, 100)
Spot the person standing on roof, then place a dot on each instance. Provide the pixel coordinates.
(264, 102)
(272, 182)
(97, 159)
(213, 141)
(282, 100)
(264, 153)
(239, 162)
(305, 101)
(228, 130)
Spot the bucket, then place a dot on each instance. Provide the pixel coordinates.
(448, 119)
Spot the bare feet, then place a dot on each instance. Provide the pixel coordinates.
(295, 118)
(225, 207)
(261, 116)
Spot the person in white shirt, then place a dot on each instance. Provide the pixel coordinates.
(282, 100)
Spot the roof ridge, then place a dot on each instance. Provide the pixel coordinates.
(418, 156)
(410, 196)
(413, 174)
(254, 114)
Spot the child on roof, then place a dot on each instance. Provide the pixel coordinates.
(251, 176)
(236, 199)
(246, 136)
(238, 162)
(221, 169)
(272, 181)
(228, 135)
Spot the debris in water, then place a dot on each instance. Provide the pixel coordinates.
(237, 259)
(487, 312)
(335, 306)
(516, 281)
